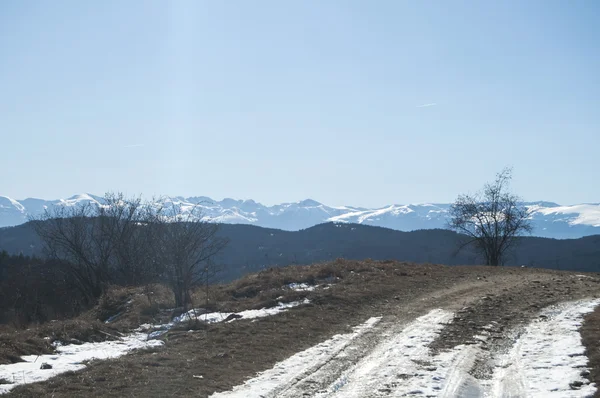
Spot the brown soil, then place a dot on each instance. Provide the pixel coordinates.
(221, 356)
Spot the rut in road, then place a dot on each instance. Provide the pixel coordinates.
(400, 362)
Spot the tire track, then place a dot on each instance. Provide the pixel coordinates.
(402, 356)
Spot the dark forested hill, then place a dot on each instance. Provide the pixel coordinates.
(252, 248)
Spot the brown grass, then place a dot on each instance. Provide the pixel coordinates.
(133, 305)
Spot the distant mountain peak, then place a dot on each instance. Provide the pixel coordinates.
(309, 203)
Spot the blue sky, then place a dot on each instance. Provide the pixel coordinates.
(284, 100)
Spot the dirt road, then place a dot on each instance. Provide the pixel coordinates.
(498, 336)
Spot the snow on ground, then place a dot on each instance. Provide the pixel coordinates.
(301, 287)
(400, 356)
(285, 372)
(548, 357)
(68, 358)
(400, 364)
(214, 317)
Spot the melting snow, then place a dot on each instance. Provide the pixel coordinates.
(248, 314)
(400, 365)
(301, 287)
(547, 361)
(214, 317)
(548, 357)
(288, 370)
(68, 358)
(72, 357)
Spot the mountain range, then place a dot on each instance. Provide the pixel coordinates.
(549, 219)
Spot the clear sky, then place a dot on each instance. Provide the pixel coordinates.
(363, 103)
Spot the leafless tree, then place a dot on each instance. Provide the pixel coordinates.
(492, 220)
(127, 229)
(70, 235)
(186, 248)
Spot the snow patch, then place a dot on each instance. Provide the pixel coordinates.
(6, 202)
(301, 287)
(215, 317)
(584, 214)
(400, 365)
(68, 358)
(548, 357)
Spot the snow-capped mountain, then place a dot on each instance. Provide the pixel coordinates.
(549, 219)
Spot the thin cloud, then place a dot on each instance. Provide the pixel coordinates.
(133, 146)
(427, 105)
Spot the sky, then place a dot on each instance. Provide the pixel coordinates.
(346, 102)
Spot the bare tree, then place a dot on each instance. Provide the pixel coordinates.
(492, 220)
(126, 225)
(70, 236)
(186, 247)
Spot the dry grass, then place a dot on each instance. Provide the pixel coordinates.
(350, 279)
(129, 307)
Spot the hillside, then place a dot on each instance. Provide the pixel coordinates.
(549, 219)
(254, 248)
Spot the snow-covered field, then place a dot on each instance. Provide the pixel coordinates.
(547, 360)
